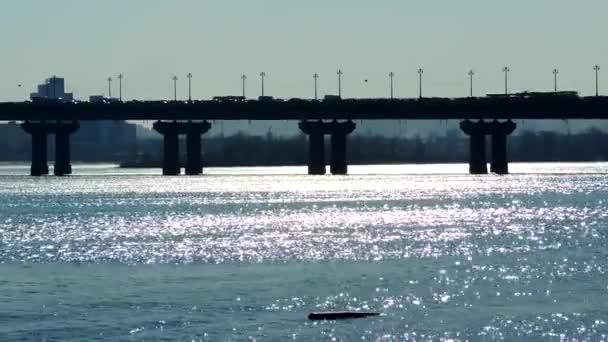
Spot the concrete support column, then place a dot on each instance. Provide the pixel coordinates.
(38, 132)
(338, 164)
(316, 146)
(339, 131)
(499, 163)
(62, 154)
(316, 154)
(39, 165)
(500, 131)
(63, 165)
(194, 160)
(316, 131)
(171, 165)
(478, 164)
(171, 132)
(477, 150)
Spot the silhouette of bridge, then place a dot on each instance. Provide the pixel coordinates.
(516, 106)
(482, 116)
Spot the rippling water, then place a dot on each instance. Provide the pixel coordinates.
(247, 253)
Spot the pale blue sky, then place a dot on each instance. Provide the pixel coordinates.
(150, 40)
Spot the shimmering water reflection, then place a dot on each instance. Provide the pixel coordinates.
(243, 253)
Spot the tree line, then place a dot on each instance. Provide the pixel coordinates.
(452, 147)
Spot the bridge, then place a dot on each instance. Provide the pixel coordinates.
(481, 116)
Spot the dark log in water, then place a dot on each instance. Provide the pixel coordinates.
(318, 316)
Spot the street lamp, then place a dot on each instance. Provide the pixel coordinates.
(555, 73)
(120, 77)
(506, 70)
(243, 78)
(420, 72)
(174, 88)
(189, 87)
(596, 68)
(109, 87)
(471, 74)
(340, 73)
(262, 76)
(316, 77)
(391, 75)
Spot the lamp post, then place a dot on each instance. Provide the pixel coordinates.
(506, 71)
(316, 77)
(420, 72)
(555, 73)
(596, 68)
(175, 88)
(471, 74)
(120, 77)
(243, 78)
(189, 87)
(391, 75)
(109, 87)
(262, 76)
(340, 73)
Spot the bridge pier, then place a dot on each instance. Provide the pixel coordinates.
(500, 131)
(477, 149)
(171, 165)
(316, 146)
(316, 131)
(39, 132)
(194, 160)
(171, 131)
(63, 164)
(339, 131)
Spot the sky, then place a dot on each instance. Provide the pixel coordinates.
(149, 41)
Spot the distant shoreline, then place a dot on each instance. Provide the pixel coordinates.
(132, 165)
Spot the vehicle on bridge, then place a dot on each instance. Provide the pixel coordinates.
(533, 94)
(229, 98)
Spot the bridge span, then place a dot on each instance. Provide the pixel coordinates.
(481, 117)
(534, 106)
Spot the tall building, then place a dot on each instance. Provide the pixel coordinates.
(52, 89)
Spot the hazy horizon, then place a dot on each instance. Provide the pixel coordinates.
(150, 41)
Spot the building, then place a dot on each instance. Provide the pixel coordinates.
(52, 89)
(94, 141)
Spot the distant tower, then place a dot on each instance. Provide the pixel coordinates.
(109, 87)
(120, 77)
(506, 70)
(555, 73)
(339, 83)
(596, 68)
(189, 87)
(471, 74)
(243, 79)
(391, 75)
(420, 72)
(174, 78)
(316, 77)
(262, 76)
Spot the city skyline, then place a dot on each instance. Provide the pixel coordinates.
(293, 41)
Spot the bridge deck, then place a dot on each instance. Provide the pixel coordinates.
(493, 107)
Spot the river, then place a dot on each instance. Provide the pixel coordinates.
(247, 253)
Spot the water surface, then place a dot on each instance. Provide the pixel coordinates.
(247, 253)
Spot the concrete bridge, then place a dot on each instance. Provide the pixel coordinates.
(484, 116)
